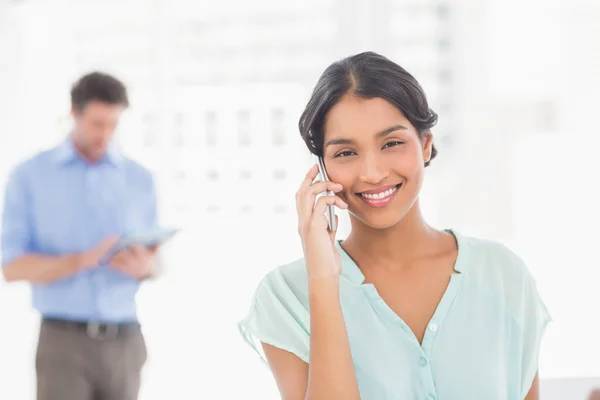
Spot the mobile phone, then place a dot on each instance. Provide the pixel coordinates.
(330, 212)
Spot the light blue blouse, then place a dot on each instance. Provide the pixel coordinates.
(482, 342)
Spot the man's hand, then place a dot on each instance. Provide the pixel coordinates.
(137, 261)
(92, 257)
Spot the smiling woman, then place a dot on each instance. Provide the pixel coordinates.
(398, 309)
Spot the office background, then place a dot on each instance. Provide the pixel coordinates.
(216, 91)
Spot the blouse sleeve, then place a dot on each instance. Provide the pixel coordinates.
(534, 318)
(277, 317)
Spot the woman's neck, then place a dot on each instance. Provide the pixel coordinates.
(409, 239)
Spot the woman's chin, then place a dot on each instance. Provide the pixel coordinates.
(382, 221)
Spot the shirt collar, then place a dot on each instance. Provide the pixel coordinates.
(349, 268)
(66, 153)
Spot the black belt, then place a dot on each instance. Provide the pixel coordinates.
(96, 330)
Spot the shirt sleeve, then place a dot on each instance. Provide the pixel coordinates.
(151, 218)
(534, 320)
(16, 223)
(278, 318)
(152, 221)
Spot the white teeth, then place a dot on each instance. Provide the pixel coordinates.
(381, 195)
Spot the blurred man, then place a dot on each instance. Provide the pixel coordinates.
(63, 210)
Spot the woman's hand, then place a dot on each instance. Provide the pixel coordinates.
(321, 255)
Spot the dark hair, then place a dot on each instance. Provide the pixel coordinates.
(366, 75)
(97, 86)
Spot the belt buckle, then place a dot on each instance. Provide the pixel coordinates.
(110, 331)
(93, 330)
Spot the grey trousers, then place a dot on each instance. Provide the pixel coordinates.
(71, 365)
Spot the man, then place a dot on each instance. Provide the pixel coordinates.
(64, 208)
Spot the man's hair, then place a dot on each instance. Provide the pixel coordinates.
(98, 86)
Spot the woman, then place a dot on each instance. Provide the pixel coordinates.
(397, 310)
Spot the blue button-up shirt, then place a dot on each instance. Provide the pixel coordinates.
(57, 203)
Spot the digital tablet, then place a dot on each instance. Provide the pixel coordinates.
(150, 238)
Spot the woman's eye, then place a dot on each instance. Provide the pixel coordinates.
(393, 143)
(344, 153)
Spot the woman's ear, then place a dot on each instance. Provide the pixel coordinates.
(427, 146)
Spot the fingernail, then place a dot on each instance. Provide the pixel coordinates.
(338, 186)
